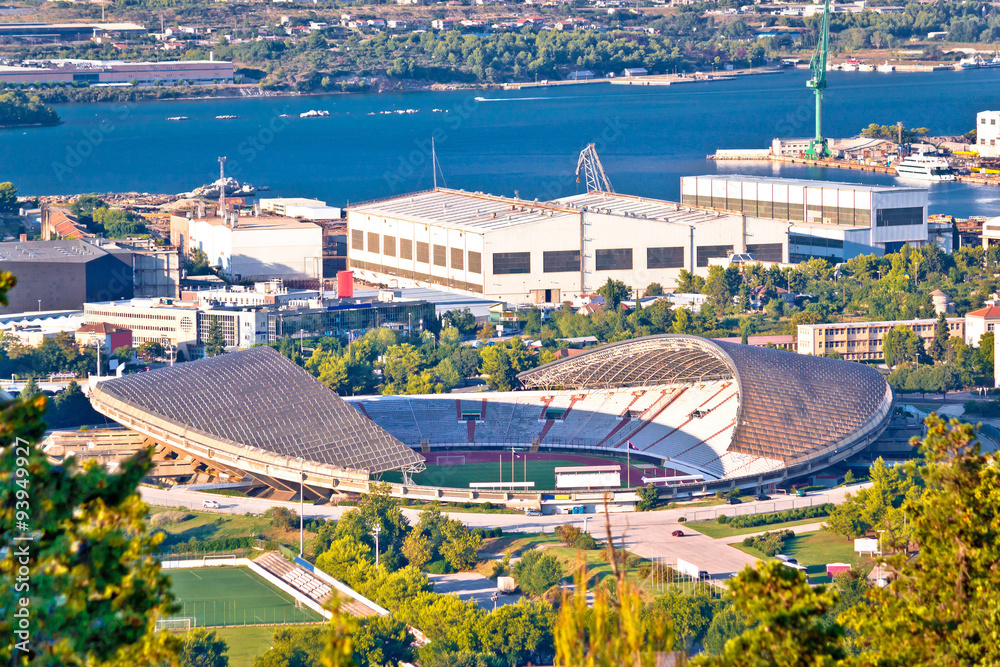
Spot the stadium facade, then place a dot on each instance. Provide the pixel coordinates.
(721, 415)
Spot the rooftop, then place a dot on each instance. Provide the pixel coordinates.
(471, 211)
(258, 399)
(805, 182)
(72, 250)
(100, 328)
(988, 313)
(640, 207)
(260, 223)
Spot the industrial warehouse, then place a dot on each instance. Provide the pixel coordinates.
(544, 252)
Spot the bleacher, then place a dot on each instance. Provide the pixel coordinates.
(689, 426)
(308, 584)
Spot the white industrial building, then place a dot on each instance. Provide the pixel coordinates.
(988, 133)
(253, 247)
(836, 221)
(300, 207)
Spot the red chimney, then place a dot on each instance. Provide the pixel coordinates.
(345, 284)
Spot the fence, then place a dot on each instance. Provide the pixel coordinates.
(214, 613)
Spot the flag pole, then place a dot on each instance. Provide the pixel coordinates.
(628, 465)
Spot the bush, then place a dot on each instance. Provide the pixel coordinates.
(634, 561)
(497, 570)
(682, 519)
(495, 532)
(723, 518)
(752, 520)
(769, 543)
(585, 542)
(537, 572)
(568, 534)
(439, 567)
(982, 408)
(282, 517)
(644, 571)
(479, 532)
(489, 506)
(168, 518)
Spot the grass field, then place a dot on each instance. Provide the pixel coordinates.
(815, 550)
(246, 643)
(542, 473)
(717, 530)
(233, 596)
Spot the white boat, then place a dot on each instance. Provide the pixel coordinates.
(312, 113)
(970, 63)
(866, 67)
(226, 117)
(886, 67)
(925, 168)
(849, 67)
(178, 118)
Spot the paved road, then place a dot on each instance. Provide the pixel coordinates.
(644, 533)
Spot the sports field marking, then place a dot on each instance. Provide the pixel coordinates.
(195, 575)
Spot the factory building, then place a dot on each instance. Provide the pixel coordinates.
(252, 247)
(988, 133)
(118, 72)
(835, 221)
(520, 251)
(63, 275)
(56, 33)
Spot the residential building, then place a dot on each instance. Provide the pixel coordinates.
(988, 133)
(982, 321)
(779, 342)
(991, 232)
(108, 336)
(165, 321)
(252, 247)
(862, 341)
(58, 224)
(834, 221)
(63, 275)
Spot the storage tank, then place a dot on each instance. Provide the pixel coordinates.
(345, 284)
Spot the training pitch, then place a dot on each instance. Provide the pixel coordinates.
(233, 596)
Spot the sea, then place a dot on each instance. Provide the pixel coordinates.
(523, 142)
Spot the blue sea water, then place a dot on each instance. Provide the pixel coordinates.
(504, 142)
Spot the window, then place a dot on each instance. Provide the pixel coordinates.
(665, 258)
(475, 262)
(457, 259)
(389, 245)
(440, 255)
(423, 252)
(373, 242)
(614, 259)
(357, 239)
(559, 261)
(898, 217)
(505, 263)
(765, 252)
(815, 241)
(405, 249)
(707, 252)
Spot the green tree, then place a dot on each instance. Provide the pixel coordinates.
(417, 549)
(497, 368)
(203, 648)
(215, 344)
(653, 289)
(902, 344)
(648, 497)
(537, 572)
(8, 198)
(727, 624)
(96, 587)
(459, 546)
(942, 608)
(614, 292)
(399, 363)
(939, 344)
(788, 628)
(382, 640)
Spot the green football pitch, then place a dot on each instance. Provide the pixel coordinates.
(215, 596)
(542, 473)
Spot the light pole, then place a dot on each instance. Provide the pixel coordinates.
(494, 598)
(376, 529)
(39, 305)
(302, 521)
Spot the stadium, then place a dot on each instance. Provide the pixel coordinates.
(692, 415)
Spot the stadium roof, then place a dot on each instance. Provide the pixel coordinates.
(257, 398)
(792, 406)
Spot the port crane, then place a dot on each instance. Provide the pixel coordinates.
(818, 147)
(593, 171)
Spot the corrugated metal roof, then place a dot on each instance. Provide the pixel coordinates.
(805, 182)
(641, 207)
(470, 211)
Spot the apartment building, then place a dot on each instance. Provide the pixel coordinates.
(862, 341)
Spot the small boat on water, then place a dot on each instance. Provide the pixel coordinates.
(226, 117)
(866, 67)
(178, 118)
(886, 67)
(971, 63)
(312, 113)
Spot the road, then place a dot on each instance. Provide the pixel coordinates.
(647, 534)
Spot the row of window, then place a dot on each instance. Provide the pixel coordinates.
(607, 259)
(390, 246)
(815, 241)
(899, 217)
(844, 216)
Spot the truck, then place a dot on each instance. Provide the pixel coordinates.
(506, 585)
(692, 570)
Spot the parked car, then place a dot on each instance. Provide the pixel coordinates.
(211, 504)
(762, 496)
(678, 533)
(733, 501)
(786, 559)
(532, 513)
(704, 575)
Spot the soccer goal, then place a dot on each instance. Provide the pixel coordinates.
(176, 624)
(450, 460)
(220, 559)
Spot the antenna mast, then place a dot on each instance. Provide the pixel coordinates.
(593, 170)
(434, 163)
(818, 147)
(222, 185)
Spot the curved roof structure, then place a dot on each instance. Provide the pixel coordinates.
(252, 403)
(792, 407)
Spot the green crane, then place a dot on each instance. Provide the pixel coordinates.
(818, 147)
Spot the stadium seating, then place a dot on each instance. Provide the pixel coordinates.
(688, 426)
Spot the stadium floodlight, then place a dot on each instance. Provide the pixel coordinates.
(376, 529)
